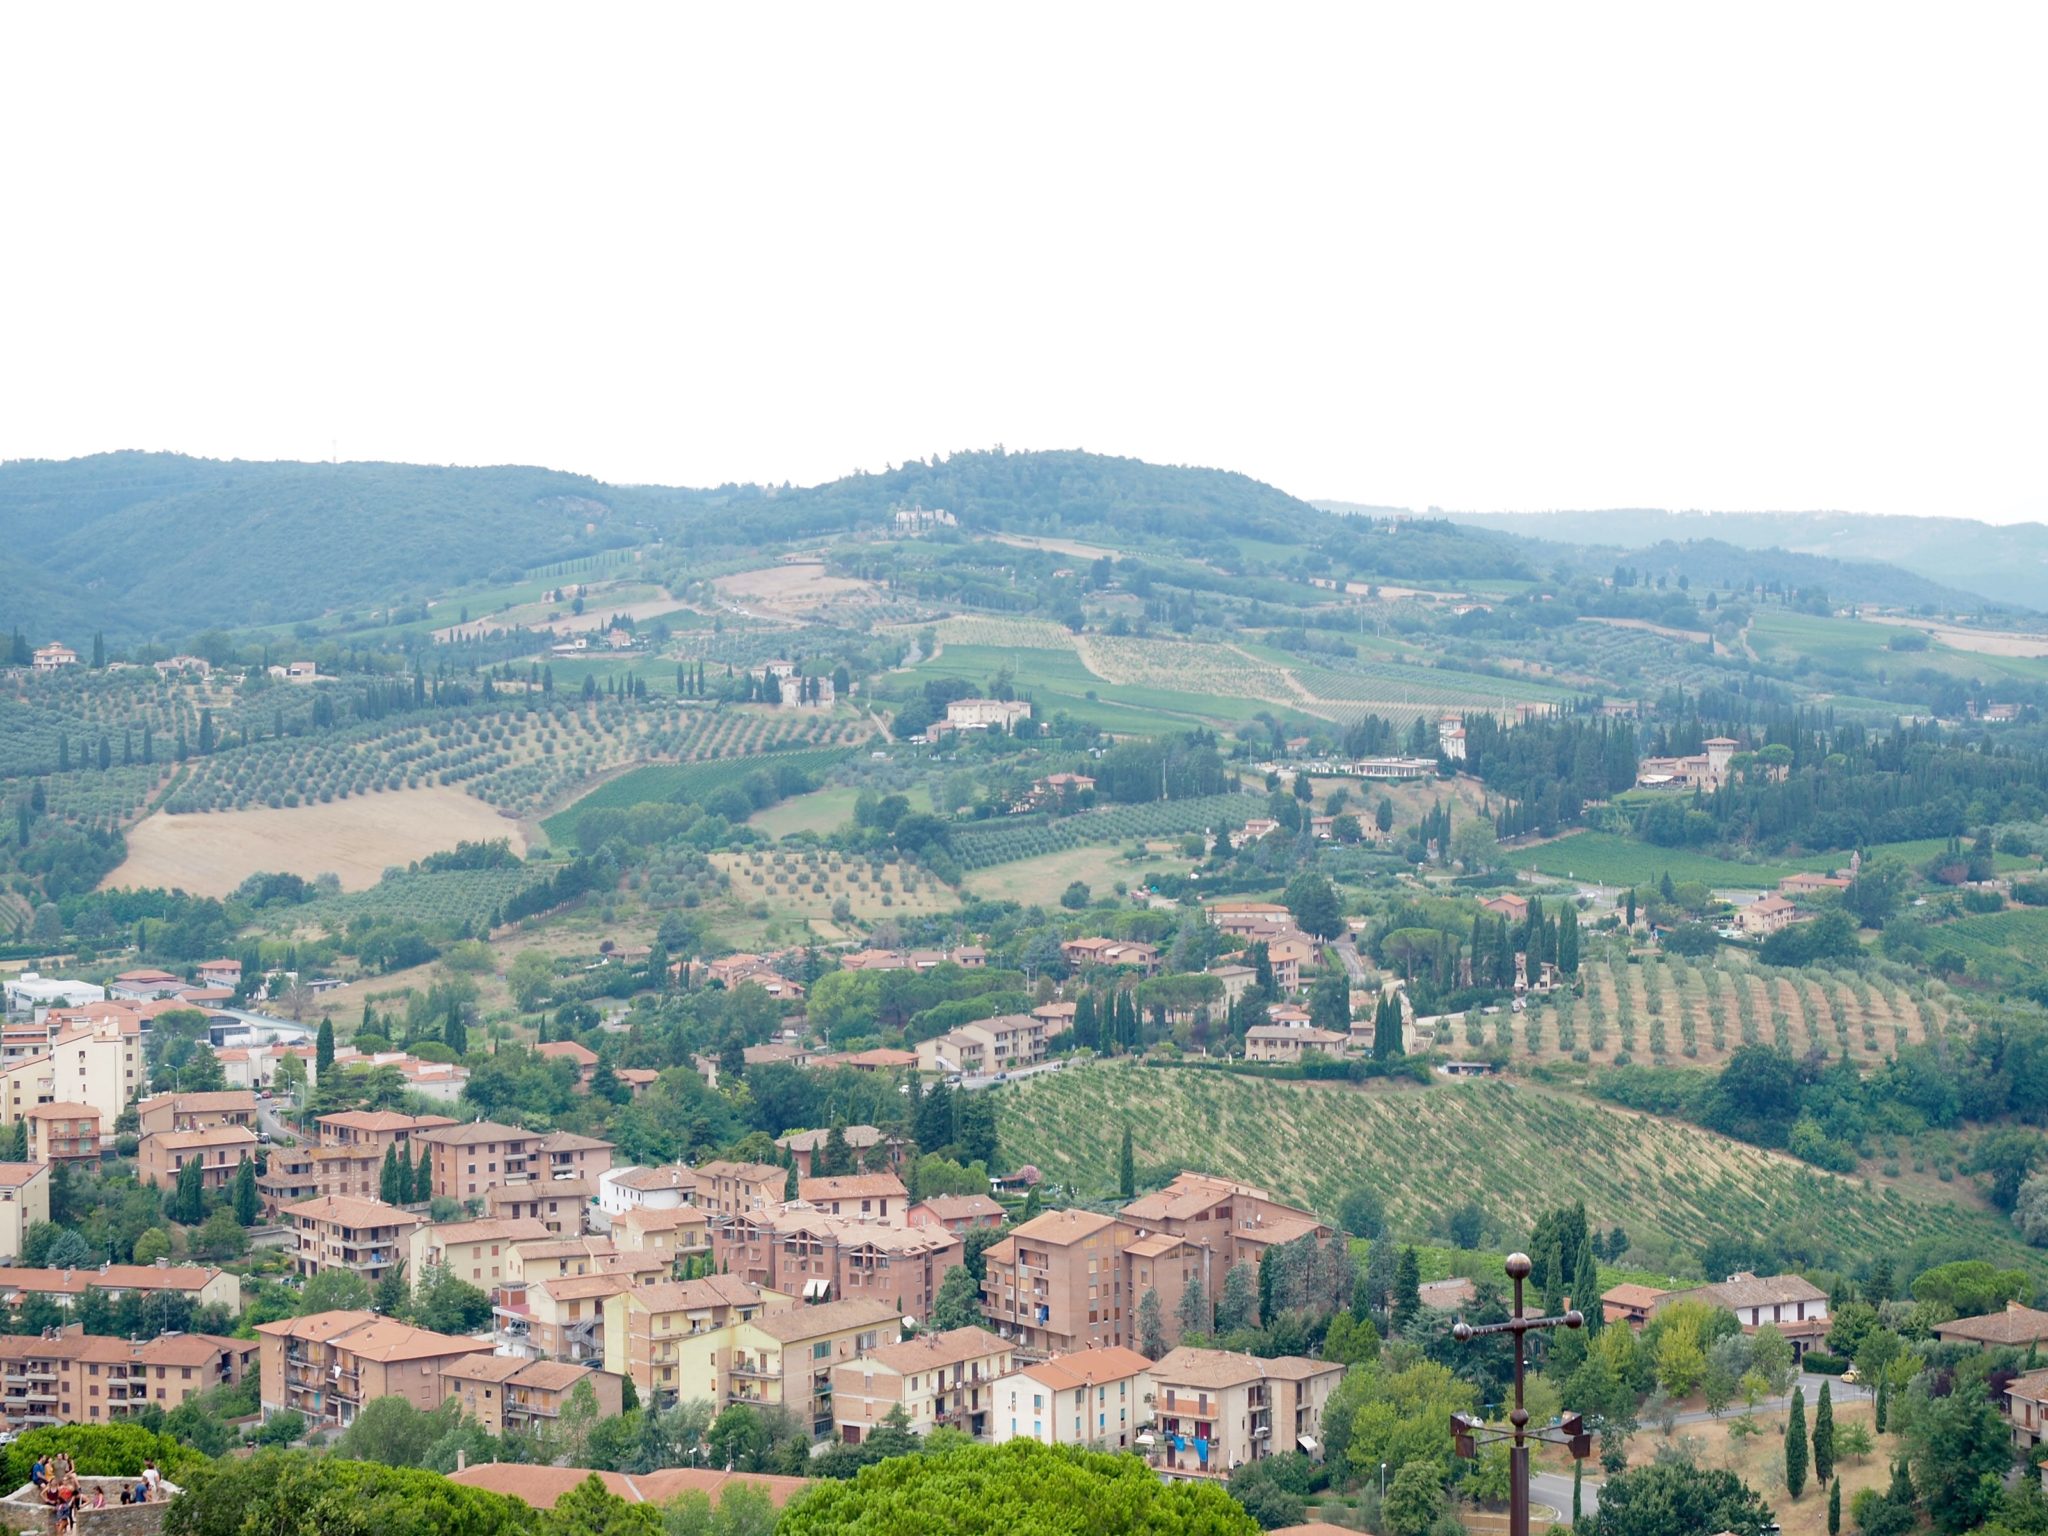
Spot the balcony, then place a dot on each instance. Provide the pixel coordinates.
(754, 1372)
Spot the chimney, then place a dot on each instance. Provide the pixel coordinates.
(461, 1460)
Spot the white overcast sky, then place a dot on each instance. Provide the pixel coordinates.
(1734, 256)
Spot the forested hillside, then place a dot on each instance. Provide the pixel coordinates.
(147, 544)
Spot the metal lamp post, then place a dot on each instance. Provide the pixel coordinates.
(1471, 1433)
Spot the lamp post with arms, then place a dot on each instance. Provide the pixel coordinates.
(1570, 1430)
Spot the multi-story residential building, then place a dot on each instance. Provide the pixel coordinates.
(365, 1237)
(873, 1150)
(787, 1357)
(682, 1233)
(24, 1201)
(505, 1393)
(1084, 954)
(295, 1175)
(99, 1063)
(673, 1339)
(1792, 1304)
(739, 1189)
(957, 1213)
(205, 1287)
(376, 1130)
(1288, 957)
(467, 1160)
(620, 1190)
(1216, 1409)
(559, 1205)
(68, 1376)
(1055, 1284)
(479, 1252)
(328, 1365)
(876, 1197)
(815, 1257)
(220, 973)
(938, 1379)
(986, 1046)
(146, 985)
(1290, 1042)
(26, 1081)
(164, 1156)
(566, 1155)
(582, 1057)
(1236, 1222)
(564, 1318)
(63, 1133)
(1098, 1397)
(196, 1111)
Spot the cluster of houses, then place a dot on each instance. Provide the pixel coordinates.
(979, 715)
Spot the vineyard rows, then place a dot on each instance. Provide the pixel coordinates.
(662, 782)
(445, 899)
(978, 845)
(1184, 666)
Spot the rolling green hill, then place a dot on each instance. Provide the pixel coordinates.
(1514, 1149)
(148, 545)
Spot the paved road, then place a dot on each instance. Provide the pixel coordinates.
(1354, 966)
(1555, 1489)
(975, 1080)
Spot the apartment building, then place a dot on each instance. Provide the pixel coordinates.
(295, 1175)
(957, 1213)
(63, 1133)
(98, 1063)
(466, 1160)
(563, 1318)
(1098, 1397)
(986, 1046)
(788, 1357)
(328, 1365)
(163, 1157)
(682, 1233)
(620, 1190)
(504, 1393)
(1216, 1409)
(877, 1197)
(27, 1081)
(1055, 1284)
(561, 1205)
(68, 1376)
(376, 1130)
(479, 1252)
(365, 1237)
(815, 1257)
(566, 1155)
(24, 1201)
(673, 1339)
(938, 1379)
(196, 1111)
(736, 1189)
(205, 1287)
(1083, 954)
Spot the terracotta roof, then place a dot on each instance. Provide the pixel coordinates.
(852, 1186)
(831, 1317)
(584, 1287)
(960, 1207)
(1226, 1368)
(1155, 1246)
(108, 1277)
(212, 1136)
(352, 1211)
(1085, 1367)
(385, 1120)
(1442, 1295)
(12, 1175)
(667, 1177)
(471, 1133)
(200, 1103)
(701, 1295)
(515, 1230)
(551, 1375)
(491, 1368)
(1313, 1528)
(568, 1050)
(317, 1326)
(387, 1339)
(541, 1486)
(935, 1351)
(1188, 1196)
(1062, 1226)
(1631, 1295)
(655, 1219)
(2015, 1325)
(570, 1141)
(1751, 1291)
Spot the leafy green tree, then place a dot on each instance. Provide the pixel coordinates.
(394, 1433)
(333, 1290)
(958, 1302)
(1022, 1487)
(1193, 1312)
(1151, 1326)
(1315, 905)
(152, 1245)
(1963, 1451)
(1672, 1495)
(1415, 1500)
(530, 977)
(1238, 1306)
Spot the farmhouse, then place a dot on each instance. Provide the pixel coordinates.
(1702, 770)
(1290, 1042)
(1807, 883)
(1767, 915)
(983, 715)
(48, 658)
(1792, 1304)
(2017, 1327)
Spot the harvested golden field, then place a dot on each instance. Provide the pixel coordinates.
(355, 839)
(788, 591)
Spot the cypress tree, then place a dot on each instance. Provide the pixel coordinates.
(1824, 1436)
(1127, 1168)
(1578, 1484)
(246, 1206)
(1835, 1508)
(1407, 1287)
(323, 1047)
(1795, 1443)
(388, 1189)
(1586, 1288)
(189, 1199)
(1883, 1400)
(411, 1182)
(1086, 1035)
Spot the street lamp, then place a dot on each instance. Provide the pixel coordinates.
(1470, 1432)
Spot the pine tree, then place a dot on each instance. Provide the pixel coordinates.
(1795, 1444)
(1824, 1436)
(247, 1208)
(323, 1047)
(1127, 1169)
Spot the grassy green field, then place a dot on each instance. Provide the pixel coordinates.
(1857, 645)
(1512, 1148)
(822, 811)
(654, 782)
(2016, 934)
(1606, 859)
(1058, 680)
(1040, 881)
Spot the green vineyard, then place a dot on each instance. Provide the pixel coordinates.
(981, 844)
